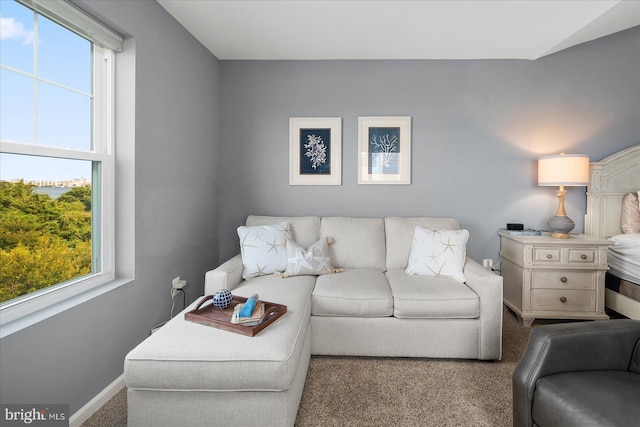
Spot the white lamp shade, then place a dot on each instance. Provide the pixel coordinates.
(563, 169)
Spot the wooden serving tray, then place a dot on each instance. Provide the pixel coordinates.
(221, 319)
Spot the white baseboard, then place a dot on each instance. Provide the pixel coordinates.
(97, 402)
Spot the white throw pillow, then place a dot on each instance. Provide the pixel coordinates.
(438, 252)
(263, 250)
(313, 261)
(630, 214)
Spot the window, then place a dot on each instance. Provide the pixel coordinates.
(56, 154)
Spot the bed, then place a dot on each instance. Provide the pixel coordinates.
(611, 179)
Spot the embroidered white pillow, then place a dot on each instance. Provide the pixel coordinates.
(262, 248)
(630, 214)
(315, 260)
(438, 252)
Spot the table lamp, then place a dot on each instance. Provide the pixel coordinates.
(562, 170)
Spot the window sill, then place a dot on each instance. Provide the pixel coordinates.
(29, 319)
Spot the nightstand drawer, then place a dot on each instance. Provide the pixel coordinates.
(546, 255)
(563, 279)
(582, 256)
(561, 300)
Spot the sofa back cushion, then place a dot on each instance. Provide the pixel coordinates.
(399, 236)
(357, 242)
(305, 230)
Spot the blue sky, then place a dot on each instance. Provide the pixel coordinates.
(64, 63)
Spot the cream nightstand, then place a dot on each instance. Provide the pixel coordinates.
(550, 278)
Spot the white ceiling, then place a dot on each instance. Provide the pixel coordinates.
(395, 29)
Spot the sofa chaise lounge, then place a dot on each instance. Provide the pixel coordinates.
(188, 373)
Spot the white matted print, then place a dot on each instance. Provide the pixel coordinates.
(385, 150)
(315, 151)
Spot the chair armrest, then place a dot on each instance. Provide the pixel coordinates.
(570, 347)
(488, 286)
(227, 276)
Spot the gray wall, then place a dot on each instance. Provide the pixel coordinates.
(478, 129)
(71, 357)
(211, 147)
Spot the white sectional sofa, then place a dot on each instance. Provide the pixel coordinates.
(192, 374)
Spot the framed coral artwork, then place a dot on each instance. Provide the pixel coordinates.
(315, 151)
(385, 150)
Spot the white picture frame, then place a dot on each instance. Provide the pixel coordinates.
(384, 150)
(315, 151)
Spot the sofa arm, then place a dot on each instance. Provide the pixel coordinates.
(570, 347)
(488, 286)
(227, 276)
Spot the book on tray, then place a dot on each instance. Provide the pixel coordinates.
(255, 319)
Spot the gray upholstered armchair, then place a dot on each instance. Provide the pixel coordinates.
(579, 374)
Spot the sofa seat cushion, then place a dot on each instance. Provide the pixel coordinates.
(188, 356)
(426, 297)
(352, 293)
(593, 398)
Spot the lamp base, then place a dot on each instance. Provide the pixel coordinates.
(560, 226)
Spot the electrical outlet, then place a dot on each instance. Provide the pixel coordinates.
(177, 284)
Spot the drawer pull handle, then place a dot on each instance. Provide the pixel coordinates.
(563, 299)
(549, 256)
(564, 279)
(583, 256)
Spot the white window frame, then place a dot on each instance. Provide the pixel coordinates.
(61, 295)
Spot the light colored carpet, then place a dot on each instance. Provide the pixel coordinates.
(362, 391)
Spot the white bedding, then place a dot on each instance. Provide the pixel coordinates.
(624, 255)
